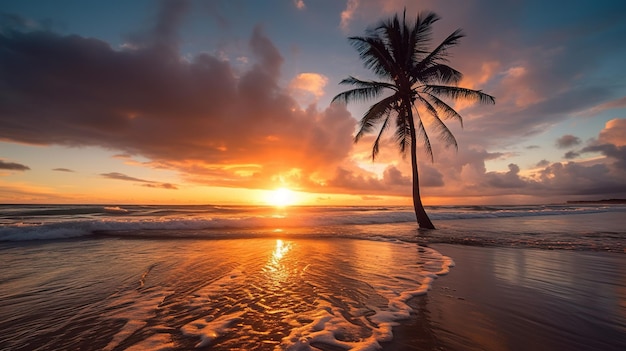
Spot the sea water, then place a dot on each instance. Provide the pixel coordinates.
(567, 226)
(300, 278)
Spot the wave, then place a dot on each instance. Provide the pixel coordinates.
(23, 223)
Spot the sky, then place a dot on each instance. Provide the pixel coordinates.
(223, 102)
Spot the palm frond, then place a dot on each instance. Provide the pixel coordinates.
(444, 133)
(366, 83)
(398, 52)
(374, 115)
(440, 73)
(421, 35)
(375, 56)
(456, 93)
(431, 110)
(393, 33)
(376, 147)
(367, 90)
(440, 53)
(442, 107)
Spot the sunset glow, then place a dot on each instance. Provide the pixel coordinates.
(217, 104)
(281, 197)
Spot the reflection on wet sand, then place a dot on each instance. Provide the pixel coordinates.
(274, 268)
(250, 294)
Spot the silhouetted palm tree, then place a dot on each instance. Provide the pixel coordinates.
(410, 76)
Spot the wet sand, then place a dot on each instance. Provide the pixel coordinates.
(268, 294)
(520, 299)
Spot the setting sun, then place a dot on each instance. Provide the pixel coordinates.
(281, 197)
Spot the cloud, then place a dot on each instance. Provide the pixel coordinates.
(313, 83)
(611, 142)
(609, 105)
(300, 5)
(161, 186)
(510, 179)
(571, 155)
(146, 183)
(348, 13)
(464, 174)
(12, 166)
(219, 122)
(63, 170)
(540, 75)
(567, 141)
(121, 176)
(614, 132)
(214, 123)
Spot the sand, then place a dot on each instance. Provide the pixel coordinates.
(265, 294)
(521, 299)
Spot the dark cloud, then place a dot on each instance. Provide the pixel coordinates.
(195, 115)
(357, 183)
(510, 179)
(144, 182)
(579, 179)
(392, 177)
(570, 155)
(121, 176)
(161, 186)
(12, 166)
(63, 170)
(567, 141)
(613, 152)
(543, 163)
(235, 125)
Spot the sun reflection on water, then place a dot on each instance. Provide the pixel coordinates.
(280, 250)
(275, 267)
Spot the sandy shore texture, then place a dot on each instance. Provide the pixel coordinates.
(521, 299)
(272, 294)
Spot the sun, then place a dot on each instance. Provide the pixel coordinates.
(281, 197)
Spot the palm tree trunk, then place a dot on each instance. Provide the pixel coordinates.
(422, 218)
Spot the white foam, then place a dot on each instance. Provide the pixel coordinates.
(327, 324)
(136, 307)
(208, 329)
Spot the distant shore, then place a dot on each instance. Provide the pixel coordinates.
(605, 201)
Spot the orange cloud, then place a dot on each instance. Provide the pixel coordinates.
(313, 83)
(614, 132)
(199, 115)
(300, 5)
(348, 13)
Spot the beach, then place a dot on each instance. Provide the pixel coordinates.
(521, 299)
(155, 278)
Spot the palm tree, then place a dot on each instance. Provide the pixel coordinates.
(411, 76)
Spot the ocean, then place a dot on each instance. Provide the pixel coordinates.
(130, 277)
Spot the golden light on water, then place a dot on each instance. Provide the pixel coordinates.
(280, 250)
(275, 268)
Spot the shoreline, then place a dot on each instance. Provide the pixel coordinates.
(520, 299)
(493, 298)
